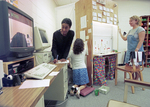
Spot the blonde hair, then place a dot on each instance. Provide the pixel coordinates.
(136, 18)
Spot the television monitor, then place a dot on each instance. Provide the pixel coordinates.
(40, 39)
(16, 33)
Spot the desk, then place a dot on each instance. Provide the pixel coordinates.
(99, 67)
(14, 97)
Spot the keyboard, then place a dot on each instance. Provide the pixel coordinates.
(40, 71)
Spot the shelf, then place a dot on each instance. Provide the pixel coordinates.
(144, 21)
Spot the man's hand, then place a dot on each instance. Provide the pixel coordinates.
(62, 60)
(55, 60)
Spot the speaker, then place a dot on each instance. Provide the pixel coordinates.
(1, 74)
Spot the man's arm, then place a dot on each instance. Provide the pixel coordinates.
(68, 47)
(54, 47)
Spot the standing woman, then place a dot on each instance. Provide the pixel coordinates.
(62, 40)
(135, 38)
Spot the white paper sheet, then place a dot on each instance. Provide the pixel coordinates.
(59, 62)
(86, 37)
(99, 19)
(94, 14)
(115, 19)
(140, 56)
(111, 18)
(115, 15)
(135, 59)
(100, 7)
(83, 22)
(104, 8)
(94, 18)
(35, 84)
(93, 2)
(89, 30)
(104, 20)
(107, 9)
(95, 7)
(86, 47)
(82, 35)
(111, 10)
(104, 13)
(108, 14)
(53, 73)
(99, 15)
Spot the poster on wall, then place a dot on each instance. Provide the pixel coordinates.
(103, 2)
(83, 22)
(13, 2)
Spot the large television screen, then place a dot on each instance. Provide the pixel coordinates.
(16, 33)
(20, 29)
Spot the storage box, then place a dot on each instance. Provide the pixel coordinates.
(104, 89)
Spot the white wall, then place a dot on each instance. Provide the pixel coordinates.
(66, 11)
(43, 13)
(126, 9)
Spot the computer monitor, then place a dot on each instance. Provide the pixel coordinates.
(40, 39)
(16, 33)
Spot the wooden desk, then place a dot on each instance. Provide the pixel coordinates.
(14, 97)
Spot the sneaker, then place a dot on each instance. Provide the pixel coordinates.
(72, 91)
(78, 94)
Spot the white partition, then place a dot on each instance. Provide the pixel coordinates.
(104, 37)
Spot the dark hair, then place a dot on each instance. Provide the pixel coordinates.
(78, 46)
(67, 21)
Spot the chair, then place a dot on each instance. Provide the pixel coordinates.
(128, 82)
(131, 70)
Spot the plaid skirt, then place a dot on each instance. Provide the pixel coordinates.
(80, 76)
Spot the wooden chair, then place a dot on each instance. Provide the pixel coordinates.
(128, 82)
(131, 70)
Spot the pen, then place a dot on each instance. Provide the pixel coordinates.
(57, 57)
(1, 92)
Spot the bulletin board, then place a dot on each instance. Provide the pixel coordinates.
(89, 11)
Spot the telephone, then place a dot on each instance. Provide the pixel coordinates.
(13, 80)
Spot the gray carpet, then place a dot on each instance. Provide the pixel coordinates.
(140, 97)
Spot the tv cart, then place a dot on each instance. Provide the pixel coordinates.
(26, 63)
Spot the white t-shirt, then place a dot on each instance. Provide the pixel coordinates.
(77, 60)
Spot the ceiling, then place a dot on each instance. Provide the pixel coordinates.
(65, 2)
